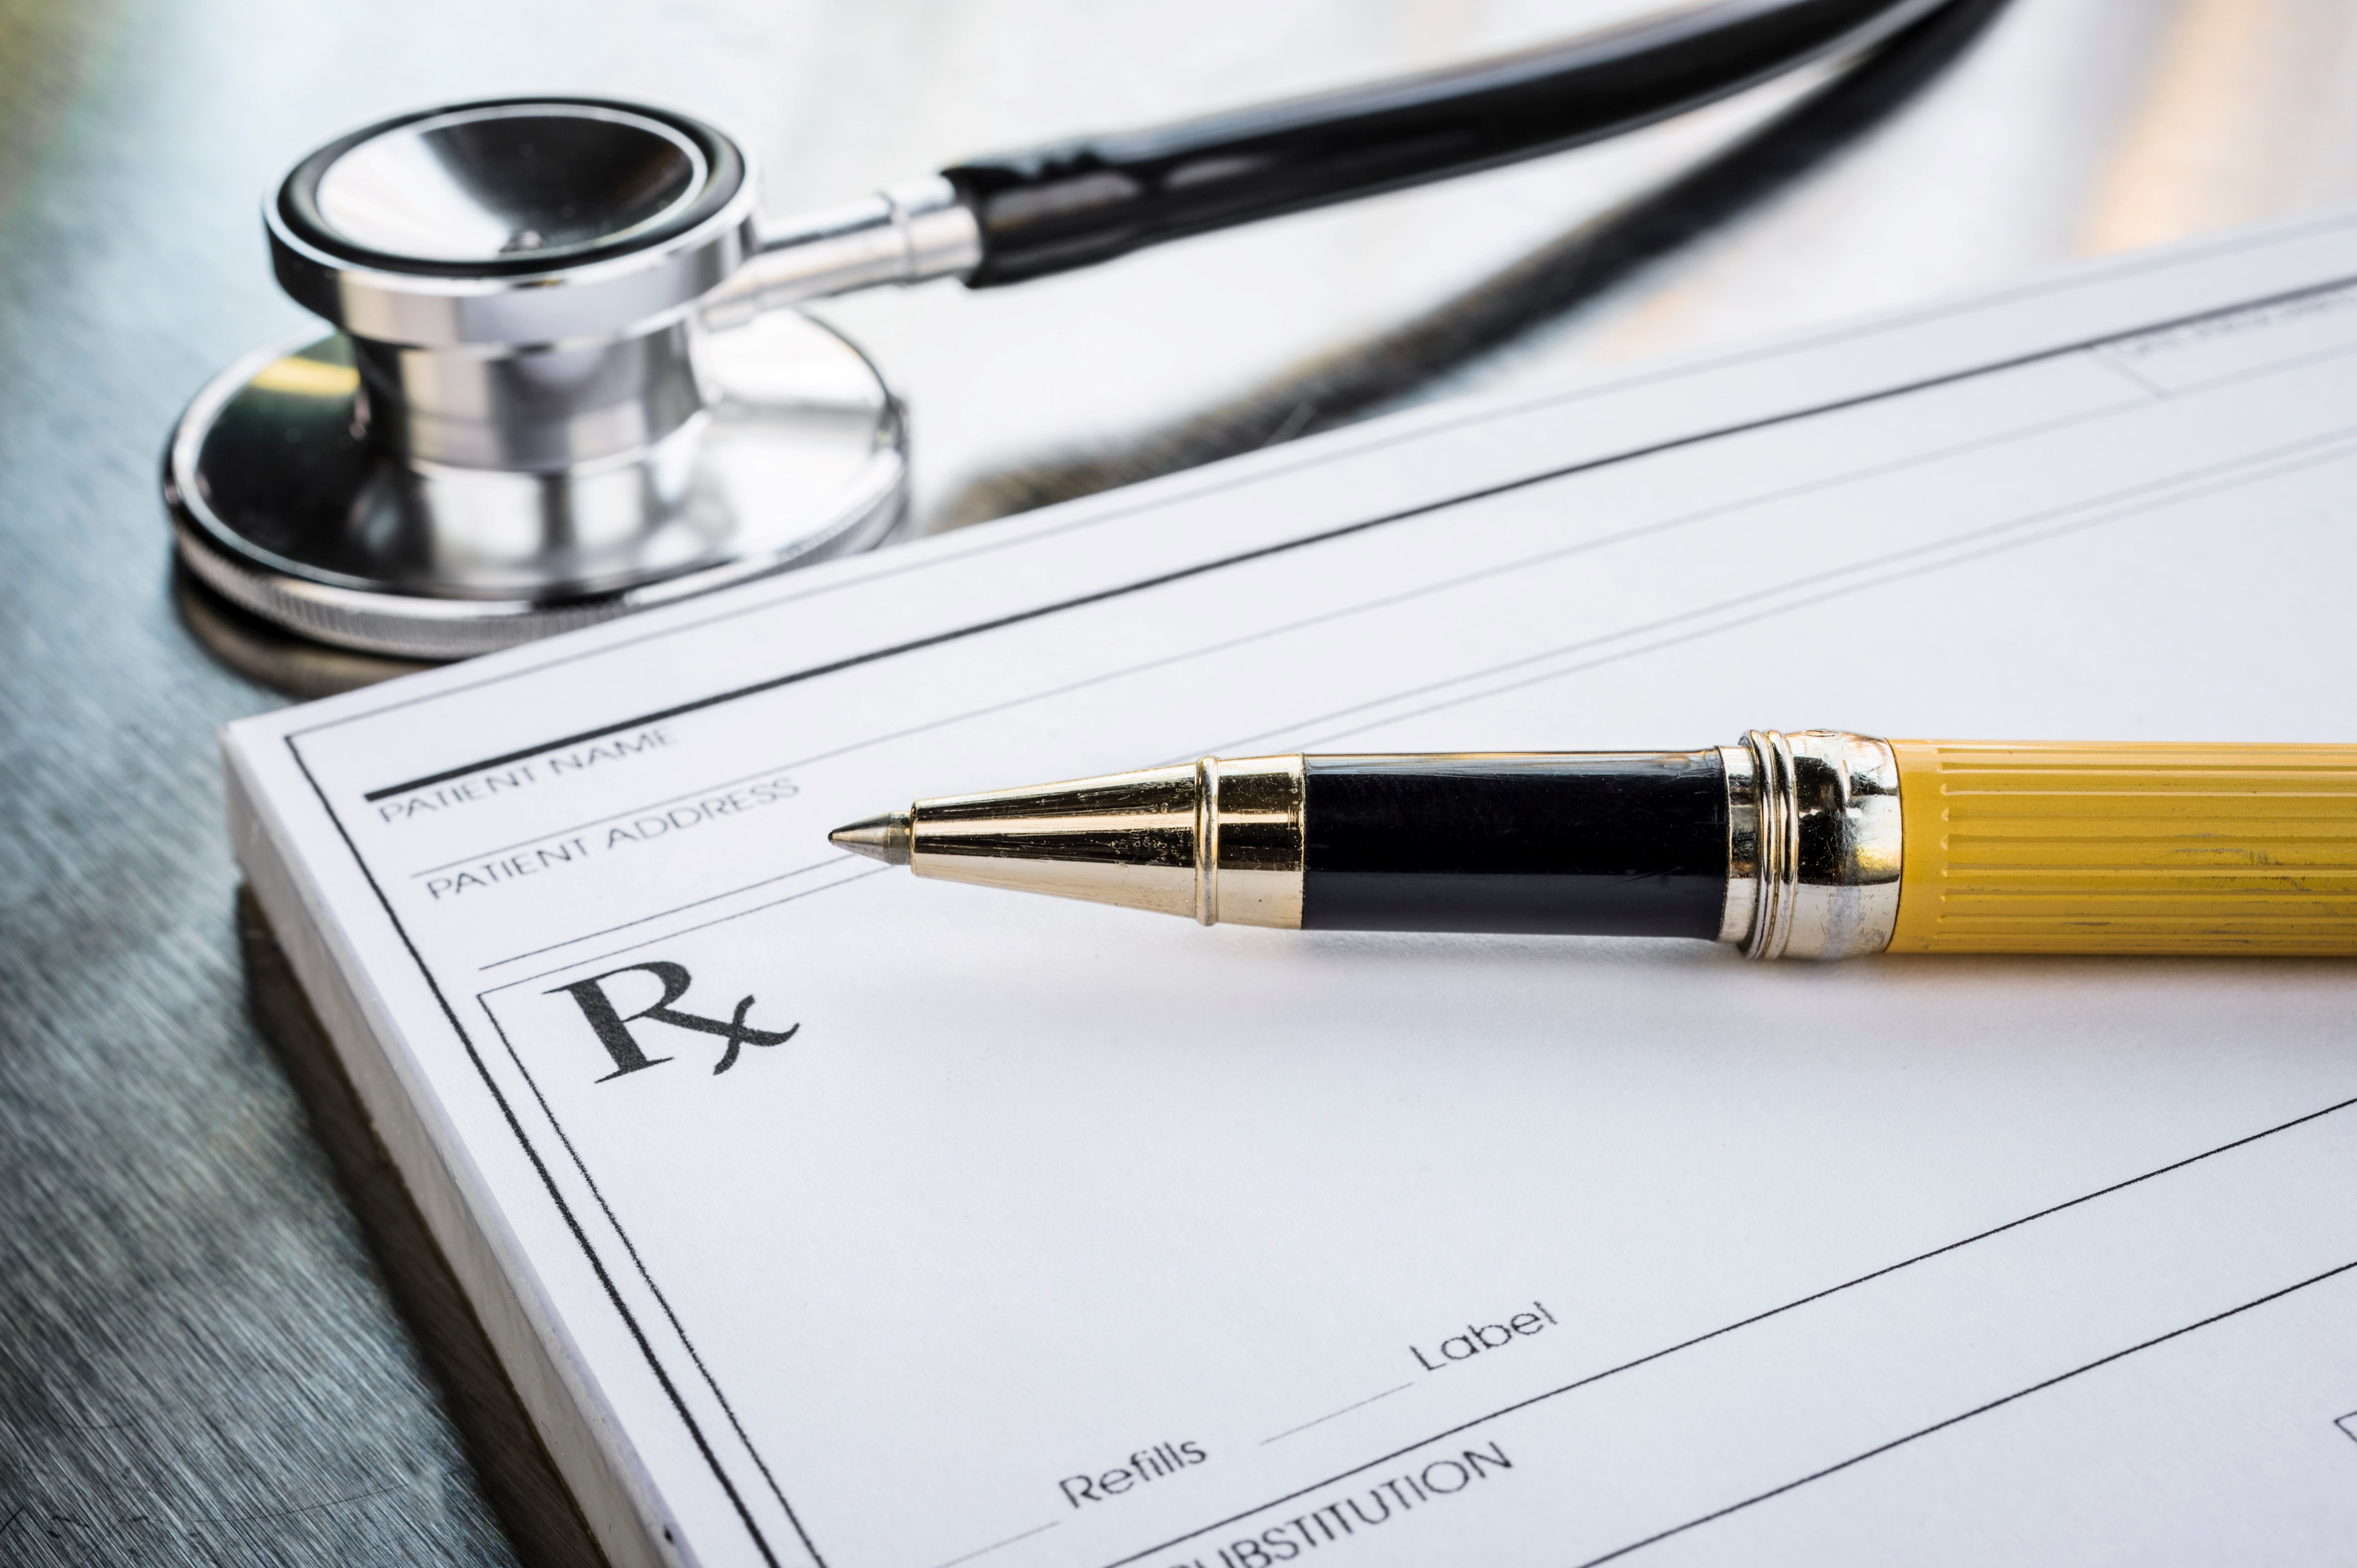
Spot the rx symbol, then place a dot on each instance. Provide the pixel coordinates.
(613, 1027)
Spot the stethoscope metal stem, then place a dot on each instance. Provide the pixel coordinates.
(908, 233)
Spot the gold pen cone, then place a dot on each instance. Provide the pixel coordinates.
(1215, 839)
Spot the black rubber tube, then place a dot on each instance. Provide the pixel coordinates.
(1594, 843)
(1074, 203)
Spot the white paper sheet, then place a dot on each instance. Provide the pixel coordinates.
(1060, 1237)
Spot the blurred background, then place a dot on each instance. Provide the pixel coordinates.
(198, 1361)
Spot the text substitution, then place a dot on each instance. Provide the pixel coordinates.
(1349, 1518)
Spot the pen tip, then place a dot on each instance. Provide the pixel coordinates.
(884, 838)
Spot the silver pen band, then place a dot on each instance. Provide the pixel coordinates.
(1813, 840)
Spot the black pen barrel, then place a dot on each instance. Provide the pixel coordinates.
(1596, 843)
(1077, 202)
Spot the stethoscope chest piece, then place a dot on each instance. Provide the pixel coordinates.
(526, 422)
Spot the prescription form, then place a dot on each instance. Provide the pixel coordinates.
(824, 1217)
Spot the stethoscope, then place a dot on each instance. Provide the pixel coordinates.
(564, 384)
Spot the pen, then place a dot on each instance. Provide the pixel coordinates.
(1817, 844)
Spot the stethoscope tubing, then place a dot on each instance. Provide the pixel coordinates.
(1076, 202)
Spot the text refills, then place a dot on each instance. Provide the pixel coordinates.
(1080, 1238)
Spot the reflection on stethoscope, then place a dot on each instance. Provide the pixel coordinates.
(562, 385)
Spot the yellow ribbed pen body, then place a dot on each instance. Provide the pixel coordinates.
(2059, 847)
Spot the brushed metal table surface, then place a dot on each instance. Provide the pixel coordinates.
(197, 1359)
